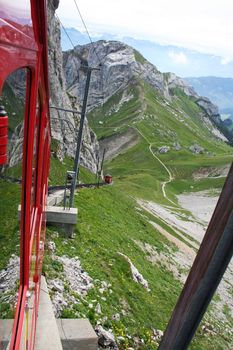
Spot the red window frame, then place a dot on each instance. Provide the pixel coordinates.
(26, 47)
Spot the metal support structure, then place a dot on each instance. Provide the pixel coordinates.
(101, 166)
(97, 167)
(70, 175)
(208, 268)
(80, 135)
(65, 110)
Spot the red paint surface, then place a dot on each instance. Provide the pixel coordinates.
(23, 43)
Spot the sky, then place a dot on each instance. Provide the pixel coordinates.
(200, 25)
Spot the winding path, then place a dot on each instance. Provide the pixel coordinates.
(164, 166)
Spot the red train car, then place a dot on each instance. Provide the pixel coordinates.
(108, 179)
(24, 67)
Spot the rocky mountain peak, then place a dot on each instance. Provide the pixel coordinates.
(119, 66)
(173, 81)
(64, 125)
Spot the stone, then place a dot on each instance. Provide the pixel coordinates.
(57, 285)
(64, 125)
(196, 149)
(106, 338)
(98, 309)
(176, 146)
(164, 149)
(157, 335)
(137, 277)
(116, 317)
(52, 246)
(75, 277)
(9, 278)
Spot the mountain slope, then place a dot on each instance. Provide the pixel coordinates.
(165, 57)
(135, 110)
(161, 139)
(219, 90)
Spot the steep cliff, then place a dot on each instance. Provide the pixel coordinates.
(65, 125)
(119, 66)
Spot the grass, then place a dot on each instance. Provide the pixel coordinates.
(138, 57)
(14, 107)
(58, 171)
(104, 230)
(163, 123)
(137, 174)
(108, 224)
(9, 232)
(9, 237)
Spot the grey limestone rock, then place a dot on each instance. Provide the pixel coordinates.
(136, 275)
(64, 125)
(164, 149)
(119, 66)
(106, 338)
(196, 149)
(177, 146)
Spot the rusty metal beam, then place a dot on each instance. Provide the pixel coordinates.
(207, 271)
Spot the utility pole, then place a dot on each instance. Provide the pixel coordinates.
(80, 135)
(101, 167)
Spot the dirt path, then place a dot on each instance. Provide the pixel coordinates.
(186, 226)
(181, 245)
(163, 165)
(203, 209)
(201, 204)
(169, 174)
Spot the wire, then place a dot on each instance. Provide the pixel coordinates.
(84, 24)
(64, 29)
(51, 3)
(95, 51)
(93, 46)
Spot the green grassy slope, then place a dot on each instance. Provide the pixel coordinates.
(108, 224)
(139, 173)
(160, 122)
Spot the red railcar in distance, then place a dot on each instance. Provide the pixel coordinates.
(108, 179)
(24, 95)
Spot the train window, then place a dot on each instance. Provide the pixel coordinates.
(12, 101)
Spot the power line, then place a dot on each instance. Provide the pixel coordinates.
(61, 24)
(84, 24)
(94, 49)
(72, 44)
(64, 29)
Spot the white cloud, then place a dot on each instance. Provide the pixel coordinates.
(178, 57)
(205, 26)
(225, 60)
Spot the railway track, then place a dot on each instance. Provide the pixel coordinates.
(53, 189)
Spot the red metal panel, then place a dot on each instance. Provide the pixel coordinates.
(23, 43)
(18, 13)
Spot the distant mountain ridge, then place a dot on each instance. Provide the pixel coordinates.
(218, 90)
(168, 58)
(126, 78)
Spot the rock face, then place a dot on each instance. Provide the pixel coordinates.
(137, 277)
(65, 125)
(119, 64)
(106, 338)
